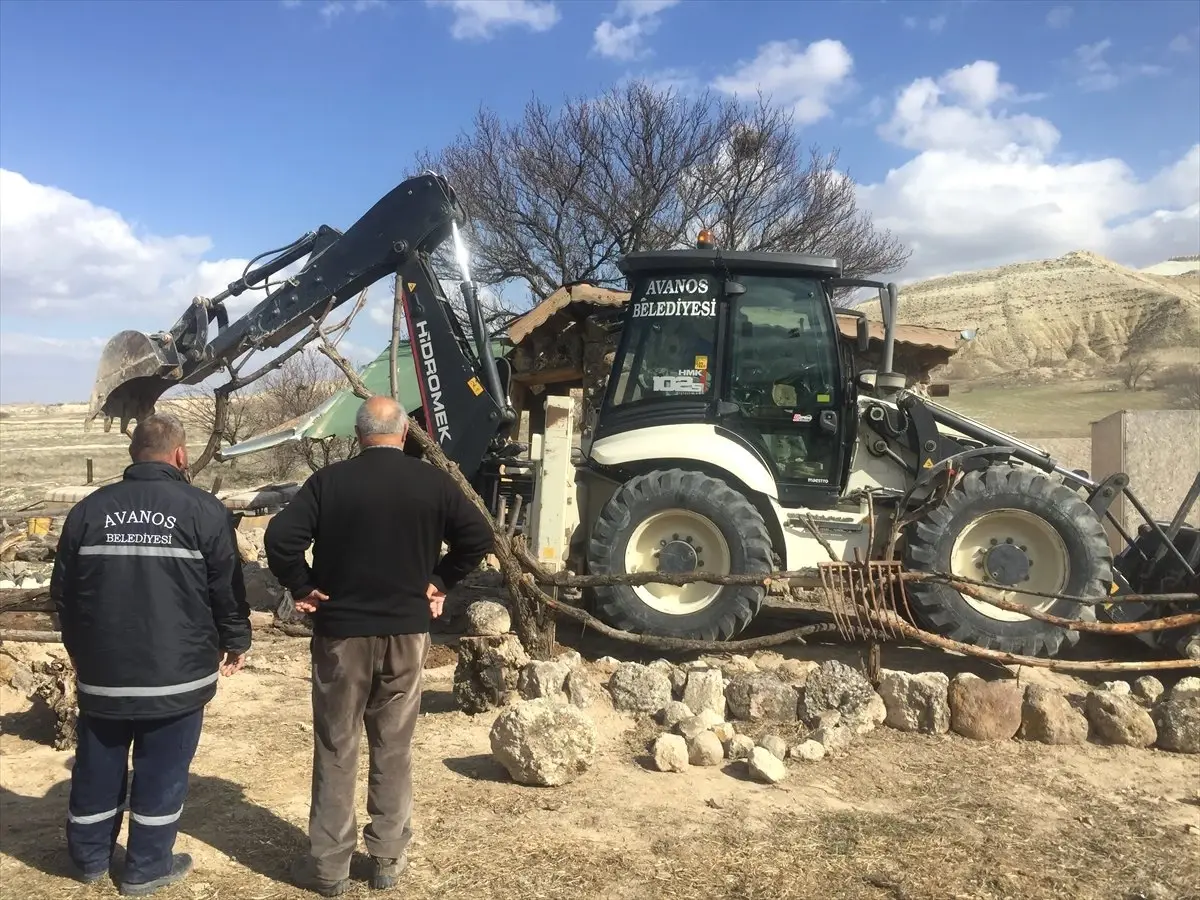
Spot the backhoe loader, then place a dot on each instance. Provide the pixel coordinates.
(735, 436)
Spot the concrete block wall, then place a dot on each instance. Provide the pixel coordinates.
(1160, 452)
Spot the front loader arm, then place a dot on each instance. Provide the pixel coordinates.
(135, 369)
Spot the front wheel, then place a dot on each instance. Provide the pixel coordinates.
(1013, 528)
(679, 521)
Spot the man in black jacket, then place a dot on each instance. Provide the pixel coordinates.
(149, 593)
(376, 523)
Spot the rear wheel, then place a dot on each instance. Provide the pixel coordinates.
(678, 521)
(1013, 528)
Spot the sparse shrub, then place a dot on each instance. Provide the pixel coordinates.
(1182, 385)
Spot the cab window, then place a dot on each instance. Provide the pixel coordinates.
(669, 338)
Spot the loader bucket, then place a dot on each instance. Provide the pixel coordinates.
(134, 371)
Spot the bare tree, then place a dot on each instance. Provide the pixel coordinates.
(300, 385)
(560, 195)
(1134, 369)
(195, 406)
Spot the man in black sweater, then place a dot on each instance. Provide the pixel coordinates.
(376, 524)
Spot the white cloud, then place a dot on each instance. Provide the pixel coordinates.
(922, 118)
(69, 266)
(936, 24)
(482, 20)
(1182, 43)
(332, 9)
(986, 187)
(1059, 16)
(63, 255)
(809, 79)
(1093, 71)
(622, 35)
(79, 349)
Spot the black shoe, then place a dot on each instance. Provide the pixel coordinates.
(304, 876)
(386, 872)
(181, 865)
(88, 877)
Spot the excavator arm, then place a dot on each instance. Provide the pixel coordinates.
(464, 395)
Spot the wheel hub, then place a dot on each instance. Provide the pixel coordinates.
(1006, 564)
(677, 557)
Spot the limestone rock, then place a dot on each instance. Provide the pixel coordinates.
(698, 724)
(808, 751)
(570, 658)
(916, 702)
(760, 696)
(638, 688)
(250, 543)
(1185, 688)
(836, 686)
(739, 747)
(486, 617)
(670, 753)
(767, 660)
(606, 665)
(705, 750)
(579, 687)
(673, 713)
(487, 672)
(1120, 688)
(1178, 725)
(704, 689)
(1147, 690)
(544, 743)
(738, 665)
(765, 766)
(796, 671)
(724, 731)
(1049, 718)
(1118, 719)
(543, 678)
(984, 710)
(775, 745)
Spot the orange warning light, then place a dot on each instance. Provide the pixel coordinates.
(705, 240)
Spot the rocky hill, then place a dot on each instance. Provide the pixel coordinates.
(1079, 315)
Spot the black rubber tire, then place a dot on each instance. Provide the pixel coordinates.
(943, 610)
(738, 521)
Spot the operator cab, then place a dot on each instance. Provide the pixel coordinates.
(747, 343)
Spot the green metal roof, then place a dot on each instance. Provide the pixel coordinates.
(335, 417)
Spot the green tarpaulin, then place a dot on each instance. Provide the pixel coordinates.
(335, 417)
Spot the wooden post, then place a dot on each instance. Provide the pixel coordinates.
(89, 470)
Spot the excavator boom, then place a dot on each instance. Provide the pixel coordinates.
(402, 228)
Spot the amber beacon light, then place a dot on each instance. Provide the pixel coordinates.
(704, 240)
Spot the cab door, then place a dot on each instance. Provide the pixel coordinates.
(784, 386)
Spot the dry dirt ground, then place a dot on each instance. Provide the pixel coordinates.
(898, 817)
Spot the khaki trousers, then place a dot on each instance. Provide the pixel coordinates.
(374, 681)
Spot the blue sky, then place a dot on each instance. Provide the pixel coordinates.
(149, 148)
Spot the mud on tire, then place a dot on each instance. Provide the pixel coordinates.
(1008, 490)
(729, 512)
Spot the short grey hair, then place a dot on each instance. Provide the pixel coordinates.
(157, 436)
(392, 419)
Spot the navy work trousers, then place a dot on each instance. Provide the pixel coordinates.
(162, 754)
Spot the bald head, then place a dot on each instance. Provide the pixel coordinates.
(381, 420)
(160, 438)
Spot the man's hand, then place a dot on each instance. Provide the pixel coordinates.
(233, 662)
(436, 599)
(309, 603)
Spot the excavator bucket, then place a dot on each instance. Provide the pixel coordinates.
(134, 371)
